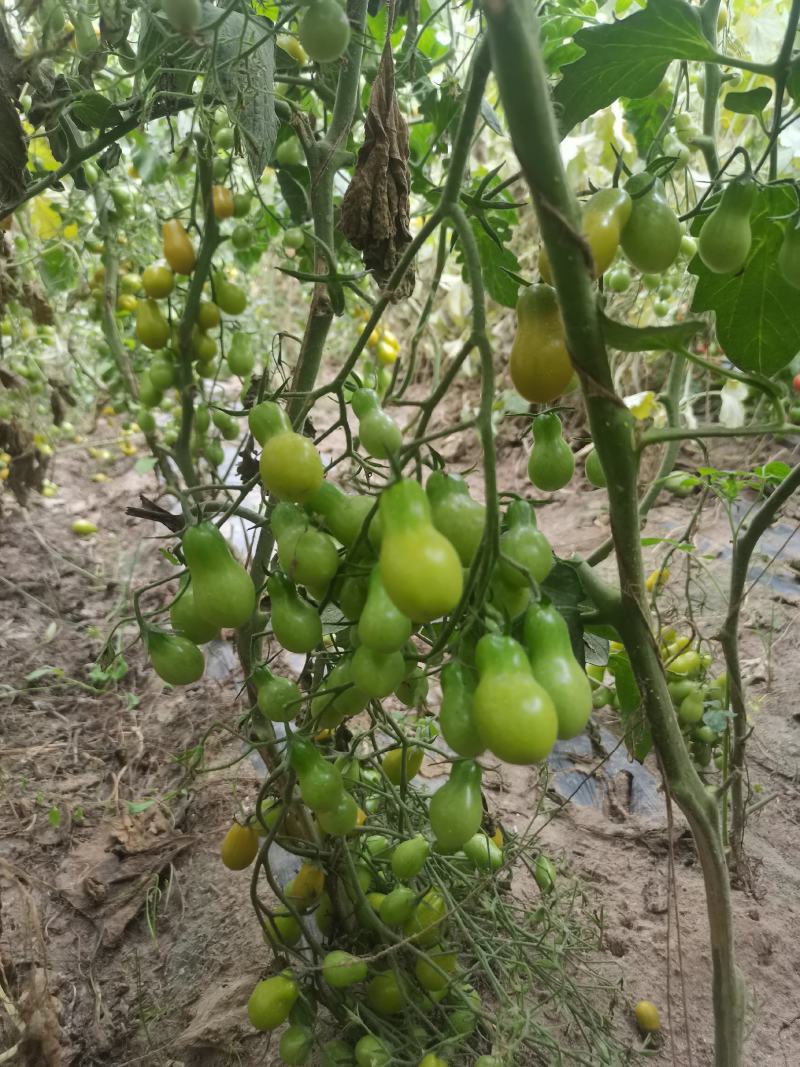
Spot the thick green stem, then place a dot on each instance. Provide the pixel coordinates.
(713, 81)
(321, 159)
(516, 57)
(743, 549)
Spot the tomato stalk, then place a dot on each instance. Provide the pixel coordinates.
(514, 34)
(743, 548)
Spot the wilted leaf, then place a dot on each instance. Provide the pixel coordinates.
(375, 208)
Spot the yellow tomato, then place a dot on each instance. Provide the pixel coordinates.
(239, 847)
(647, 1017)
(539, 365)
(658, 578)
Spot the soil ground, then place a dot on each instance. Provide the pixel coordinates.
(123, 940)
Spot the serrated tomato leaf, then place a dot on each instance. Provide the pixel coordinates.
(757, 311)
(628, 58)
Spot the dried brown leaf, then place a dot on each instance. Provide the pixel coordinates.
(375, 208)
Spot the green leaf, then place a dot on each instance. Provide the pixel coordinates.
(241, 66)
(752, 102)
(758, 313)
(645, 117)
(496, 262)
(57, 269)
(628, 58)
(638, 739)
(93, 111)
(145, 464)
(54, 817)
(42, 672)
(648, 338)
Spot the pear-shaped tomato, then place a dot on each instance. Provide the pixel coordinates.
(408, 858)
(421, 570)
(223, 591)
(377, 673)
(222, 201)
(178, 249)
(456, 807)
(228, 296)
(378, 432)
(344, 515)
(279, 699)
(325, 31)
(271, 1001)
(381, 627)
(308, 555)
(321, 785)
(455, 714)
(726, 236)
(551, 463)
(555, 668)
(337, 698)
(455, 514)
(539, 365)
(175, 659)
(513, 714)
(158, 281)
(152, 329)
(295, 623)
(524, 550)
(187, 620)
(651, 238)
(602, 219)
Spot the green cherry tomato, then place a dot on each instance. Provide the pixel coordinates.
(409, 858)
(342, 969)
(175, 659)
(296, 1044)
(271, 1001)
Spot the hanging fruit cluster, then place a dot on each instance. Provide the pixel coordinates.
(379, 594)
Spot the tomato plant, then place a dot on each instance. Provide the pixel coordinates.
(254, 210)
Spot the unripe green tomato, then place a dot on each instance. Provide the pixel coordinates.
(409, 857)
(224, 137)
(545, 873)
(342, 969)
(688, 246)
(398, 906)
(594, 470)
(372, 1052)
(241, 236)
(618, 280)
(296, 1044)
(651, 281)
(220, 169)
(336, 1053)
(704, 734)
(293, 239)
(661, 309)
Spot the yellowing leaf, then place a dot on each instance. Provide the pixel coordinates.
(45, 220)
(641, 405)
(39, 150)
(71, 231)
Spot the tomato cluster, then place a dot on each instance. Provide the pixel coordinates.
(378, 593)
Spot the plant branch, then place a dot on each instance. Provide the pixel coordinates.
(513, 31)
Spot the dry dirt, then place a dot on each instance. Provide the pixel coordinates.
(123, 940)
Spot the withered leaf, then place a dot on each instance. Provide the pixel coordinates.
(375, 208)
